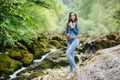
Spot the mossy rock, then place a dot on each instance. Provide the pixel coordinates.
(113, 35)
(118, 41)
(45, 64)
(28, 75)
(27, 57)
(43, 44)
(15, 54)
(40, 48)
(58, 58)
(58, 38)
(8, 65)
(22, 55)
(38, 52)
(55, 43)
(56, 55)
(21, 46)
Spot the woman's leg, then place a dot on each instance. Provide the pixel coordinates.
(71, 65)
(70, 53)
(68, 45)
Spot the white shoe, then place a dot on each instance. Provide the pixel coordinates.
(77, 70)
(71, 75)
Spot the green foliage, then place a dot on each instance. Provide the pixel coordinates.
(26, 19)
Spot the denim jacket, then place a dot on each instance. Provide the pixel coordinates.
(74, 31)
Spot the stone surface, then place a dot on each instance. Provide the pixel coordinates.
(103, 65)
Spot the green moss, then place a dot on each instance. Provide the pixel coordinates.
(55, 43)
(15, 54)
(8, 65)
(118, 40)
(40, 48)
(43, 43)
(38, 52)
(45, 64)
(21, 46)
(27, 57)
(38, 73)
(22, 55)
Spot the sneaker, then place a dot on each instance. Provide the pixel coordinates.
(77, 70)
(71, 75)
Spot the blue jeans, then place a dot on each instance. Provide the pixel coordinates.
(72, 44)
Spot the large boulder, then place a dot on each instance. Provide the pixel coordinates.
(8, 65)
(103, 65)
(22, 55)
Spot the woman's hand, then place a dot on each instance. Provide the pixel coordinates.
(67, 35)
(70, 24)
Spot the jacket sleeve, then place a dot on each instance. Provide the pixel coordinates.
(75, 30)
(67, 30)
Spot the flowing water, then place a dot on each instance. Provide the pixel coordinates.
(35, 63)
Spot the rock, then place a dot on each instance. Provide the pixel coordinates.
(15, 54)
(45, 43)
(22, 55)
(21, 46)
(103, 65)
(26, 76)
(8, 65)
(40, 47)
(107, 41)
(113, 35)
(55, 74)
(118, 40)
(55, 43)
(45, 64)
(58, 58)
(4, 76)
(29, 74)
(27, 58)
(55, 60)
(58, 38)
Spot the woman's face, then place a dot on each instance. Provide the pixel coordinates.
(72, 16)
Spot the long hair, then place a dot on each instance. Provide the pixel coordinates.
(69, 19)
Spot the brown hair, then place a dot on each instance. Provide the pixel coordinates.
(76, 19)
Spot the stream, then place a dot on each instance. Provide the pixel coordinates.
(35, 63)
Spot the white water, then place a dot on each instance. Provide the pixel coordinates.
(35, 61)
(16, 72)
(44, 56)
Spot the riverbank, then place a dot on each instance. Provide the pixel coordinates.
(14, 57)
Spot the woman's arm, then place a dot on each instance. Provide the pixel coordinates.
(75, 29)
(67, 32)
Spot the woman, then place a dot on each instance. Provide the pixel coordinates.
(72, 32)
